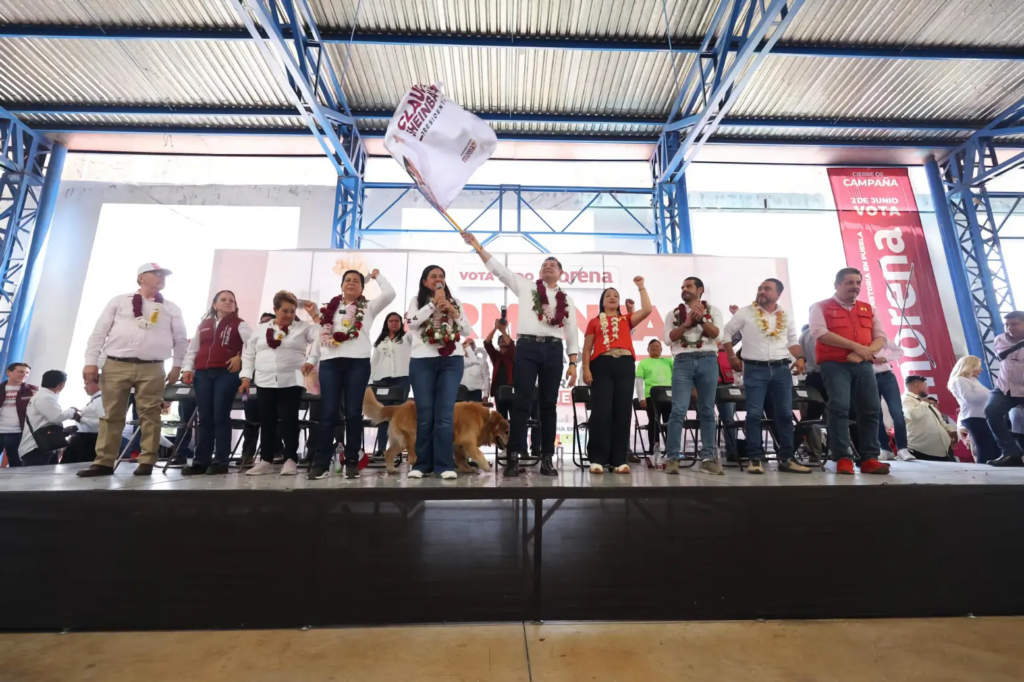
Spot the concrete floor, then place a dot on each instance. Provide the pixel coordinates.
(935, 650)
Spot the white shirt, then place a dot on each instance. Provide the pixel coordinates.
(9, 422)
(91, 415)
(476, 374)
(807, 343)
(757, 346)
(890, 351)
(416, 317)
(528, 323)
(694, 333)
(117, 335)
(244, 332)
(971, 394)
(43, 409)
(359, 347)
(927, 431)
(281, 367)
(391, 358)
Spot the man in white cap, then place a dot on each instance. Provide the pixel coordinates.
(136, 332)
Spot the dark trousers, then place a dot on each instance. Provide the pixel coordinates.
(382, 430)
(656, 416)
(986, 448)
(9, 443)
(342, 379)
(997, 413)
(251, 432)
(81, 448)
(889, 391)
(215, 396)
(851, 383)
(283, 403)
(475, 396)
(36, 458)
(932, 458)
(612, 398)
(435, 385)
(536, 362)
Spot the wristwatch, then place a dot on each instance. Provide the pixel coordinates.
(572, 363)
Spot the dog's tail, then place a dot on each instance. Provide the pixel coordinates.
(374, 411)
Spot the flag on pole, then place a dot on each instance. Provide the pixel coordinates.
(438, 143)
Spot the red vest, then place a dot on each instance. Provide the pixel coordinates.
(215, 349)
(854, 324)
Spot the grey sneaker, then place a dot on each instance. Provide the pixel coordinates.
(755, 467)
(710, 466)
(672, 466)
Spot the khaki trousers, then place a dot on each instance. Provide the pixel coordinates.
(117, 381)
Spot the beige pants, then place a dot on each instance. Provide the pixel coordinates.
(117, 381)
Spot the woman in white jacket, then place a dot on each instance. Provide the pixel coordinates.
(390, 365)
(437, 322)
(972, 396)
(278, 355)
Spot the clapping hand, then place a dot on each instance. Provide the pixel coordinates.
(697, 312)
(733, 308)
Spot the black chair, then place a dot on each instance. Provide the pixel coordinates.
(173, 393)
(638, 435)
(804, 397)
(388, 396)
(503, 404)
(738, 395)
(580, 396)
(463, 395)
(662, 397)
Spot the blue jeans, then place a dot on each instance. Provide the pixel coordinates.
(215, 395)
(9, 443)
(760, 382)
(348, 377)
(382, 430)
(889, 391)
(997, 413)
(689, 370)
(435, 385)
(985, 446)
(851, 383)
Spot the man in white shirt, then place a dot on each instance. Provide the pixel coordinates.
(476, 373)
(82, 445)
(17, 393)
(769, 341)
(692, 331)
(136, 332)
(547, 318)
(928, 434)
(43, 410)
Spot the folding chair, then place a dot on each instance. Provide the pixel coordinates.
(803, 397)
(662, 397)
(580, 396)
(738, 395)
(387, 396)
(638, 435)
(503, 403)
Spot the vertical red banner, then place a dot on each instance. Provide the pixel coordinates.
(883, 238)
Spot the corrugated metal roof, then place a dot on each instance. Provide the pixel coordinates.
(149, 13)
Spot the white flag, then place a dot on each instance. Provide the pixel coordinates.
(438, 143)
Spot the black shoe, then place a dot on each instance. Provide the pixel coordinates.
(248, 460)
(1007, 461)
(317, 472)
(216, 469)
(547, 467)
(511, 465)
(351, 471)
(195, 470)
(179, 461)
(96, 470)
(143, 470)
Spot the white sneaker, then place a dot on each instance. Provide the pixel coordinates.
(830, 466)
(905, 456)
(449, 475)
(413, 473)
(290, 468)
(886, 456)
(262, 468)
(596, 469)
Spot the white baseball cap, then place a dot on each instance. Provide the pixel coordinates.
(153, 267)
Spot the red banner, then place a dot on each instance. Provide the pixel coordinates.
(883, 238)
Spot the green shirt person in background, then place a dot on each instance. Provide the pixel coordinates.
(653, 371)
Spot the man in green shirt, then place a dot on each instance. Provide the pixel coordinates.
(651, 372)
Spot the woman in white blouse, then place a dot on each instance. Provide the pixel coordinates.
(972, 396)
(345, 323)
(390, 365)
(279, 354)
(437, 322)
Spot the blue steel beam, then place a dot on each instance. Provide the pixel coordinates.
(680, 46)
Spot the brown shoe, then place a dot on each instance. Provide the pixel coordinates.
(96, 470)
(143, 470)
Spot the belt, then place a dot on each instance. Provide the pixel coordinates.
(539, 339)
(766, 363)
(135, 361)
(698, 354)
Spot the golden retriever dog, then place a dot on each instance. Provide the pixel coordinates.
(475, 425)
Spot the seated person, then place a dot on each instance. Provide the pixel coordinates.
(929, 436)
(82, 445)
(43, 410)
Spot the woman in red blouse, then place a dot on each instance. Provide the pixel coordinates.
(609, 366)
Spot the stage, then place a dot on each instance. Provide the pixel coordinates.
(168, 552)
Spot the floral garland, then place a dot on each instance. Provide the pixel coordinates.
(680, 313)
(274, 340)
(762, 321)
(444, 332)
(542, 306)
(142, 322)
(351, 321)
(603, 320)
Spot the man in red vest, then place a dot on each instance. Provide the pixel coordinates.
(848, 334)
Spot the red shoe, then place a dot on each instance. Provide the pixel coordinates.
(872, 466)
(364, 461)
(844, 466)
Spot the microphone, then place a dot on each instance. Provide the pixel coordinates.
(439, 286)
